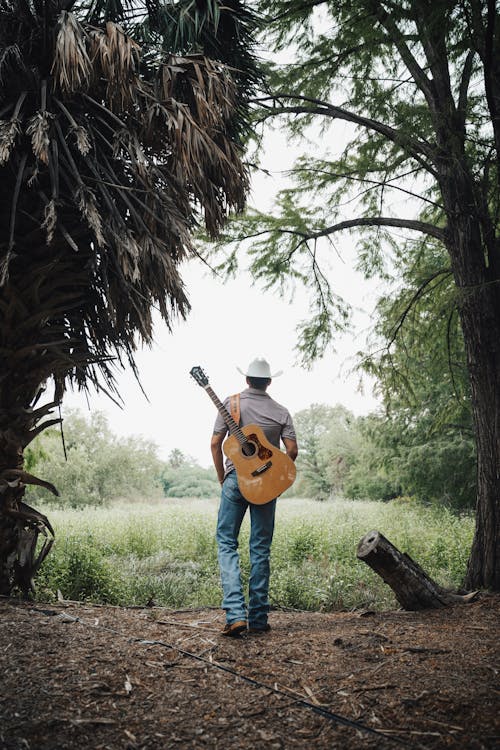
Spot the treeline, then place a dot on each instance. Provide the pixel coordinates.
(90, 465)
(381, 457)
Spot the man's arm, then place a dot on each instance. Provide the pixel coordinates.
(218, 458)
(292, 448)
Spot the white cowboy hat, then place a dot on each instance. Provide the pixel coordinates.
(259, 368)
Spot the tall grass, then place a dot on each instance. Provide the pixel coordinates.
(166, 552)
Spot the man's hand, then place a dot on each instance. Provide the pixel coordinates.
(217, 457)
(292, 448)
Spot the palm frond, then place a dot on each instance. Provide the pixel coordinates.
(9, 132)
(71, 67)
(114, 147)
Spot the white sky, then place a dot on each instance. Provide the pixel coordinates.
(229, 325)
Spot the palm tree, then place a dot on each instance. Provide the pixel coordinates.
(121, 128)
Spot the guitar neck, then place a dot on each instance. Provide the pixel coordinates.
(233, 428)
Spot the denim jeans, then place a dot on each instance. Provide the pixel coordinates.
(232, 509)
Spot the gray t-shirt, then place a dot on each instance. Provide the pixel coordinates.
(257, 407)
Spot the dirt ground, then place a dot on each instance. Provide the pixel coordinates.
(81, 676)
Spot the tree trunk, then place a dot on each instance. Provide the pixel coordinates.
(476, 267)
(412, 586)
(481, 327)
(20, 525)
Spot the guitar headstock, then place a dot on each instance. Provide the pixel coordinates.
(198, 375)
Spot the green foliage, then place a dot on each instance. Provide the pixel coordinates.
(99, 466)
(422, 448)
(398, 459)
(82, 571)
(327, 438)
(182, 477)
(416, 85)
(131, 553)
(303, 545)
(34, 454)
(373, 67)
(345, 81)
(372, 474)
(424, 443)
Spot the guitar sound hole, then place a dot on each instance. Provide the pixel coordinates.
(249, 449)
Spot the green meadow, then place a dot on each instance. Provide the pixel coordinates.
(132, 553)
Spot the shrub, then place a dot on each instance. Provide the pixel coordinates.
(97, 467)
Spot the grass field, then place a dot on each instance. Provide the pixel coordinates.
(165, 551)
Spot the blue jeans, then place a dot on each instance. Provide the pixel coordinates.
(231, 512)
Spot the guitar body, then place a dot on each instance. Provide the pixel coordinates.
(263, 471)
(265, 474)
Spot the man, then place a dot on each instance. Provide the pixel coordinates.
(256, 407)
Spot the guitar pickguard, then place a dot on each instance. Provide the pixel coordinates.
(262, 452)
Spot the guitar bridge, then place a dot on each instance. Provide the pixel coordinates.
(262, 469)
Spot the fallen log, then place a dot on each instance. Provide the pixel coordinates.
(413, 588)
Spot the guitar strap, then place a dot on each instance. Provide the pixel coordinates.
(234, 403)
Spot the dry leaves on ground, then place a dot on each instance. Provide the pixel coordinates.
(83, 676)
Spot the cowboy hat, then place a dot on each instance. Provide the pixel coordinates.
(259, 368)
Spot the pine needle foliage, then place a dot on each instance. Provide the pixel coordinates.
(386, 99)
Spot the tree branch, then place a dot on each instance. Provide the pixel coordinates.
(306, 6)
(464, 88)
(366, 181)
(379, 221)
(394, 33)
(442, 276)
(417, 149)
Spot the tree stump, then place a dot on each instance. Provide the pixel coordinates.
(413, 588)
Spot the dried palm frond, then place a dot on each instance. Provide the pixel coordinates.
(50, 221)
(194, 102)
(127, 145)
(38, 128)
(213, 93)
(78, 131)
(82, 139)
(72, 68)
(9, 131)
(33, 177)
(114, 147)
(11, 62)
(128, 256)
(115, 58)
(85, 199)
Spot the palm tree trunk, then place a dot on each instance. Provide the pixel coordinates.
(20, 525)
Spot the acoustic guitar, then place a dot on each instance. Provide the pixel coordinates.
(263, 471)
